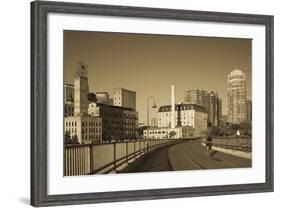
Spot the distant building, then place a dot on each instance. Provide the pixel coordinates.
(154, 122)
(68, 100)
(209, 100)
(220, 112)
(236, 93)
(178, 120)
(87, 129)
(68, 108)
(224, 118)
(169, 133)
(68, 93)
(215, 109)
(118, 123)
(124, 98)
(102, 97)
(249, 110)
(81, 90)
(196, 96)
(191, 115)
(77, 122)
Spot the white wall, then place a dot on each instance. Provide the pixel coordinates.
(15, 113)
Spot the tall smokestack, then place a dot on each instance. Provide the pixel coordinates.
(173, 100)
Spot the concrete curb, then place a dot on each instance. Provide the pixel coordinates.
(237, 153)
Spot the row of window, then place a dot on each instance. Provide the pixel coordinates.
(189, 107)
(71, 123)
(91, 130)
(156, 132)
(91, 123)
(184, 118)
(91, 137)
(71, 130)
(118, 115)
(116, 128)
(86, 123)
(176, 114)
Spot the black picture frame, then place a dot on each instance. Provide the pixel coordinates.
(39, 98)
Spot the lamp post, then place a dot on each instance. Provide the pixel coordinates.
(153, 106)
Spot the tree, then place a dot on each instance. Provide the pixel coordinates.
(92, 97)
(217, 131)
(172, 134)
(67, 138)
(246, 128)
(75, 139)
(140, 130)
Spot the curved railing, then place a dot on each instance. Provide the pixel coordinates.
(234, 143)
(107, 157)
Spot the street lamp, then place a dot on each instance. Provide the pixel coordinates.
(153, 106)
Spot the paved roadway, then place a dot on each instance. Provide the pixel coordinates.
(154, 161)
(185, 156)
(193, 156)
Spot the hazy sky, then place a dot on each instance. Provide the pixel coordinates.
(150, 64)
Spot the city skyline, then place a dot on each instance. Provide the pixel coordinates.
(149, 64)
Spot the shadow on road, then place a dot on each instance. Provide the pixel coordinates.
(154, 161)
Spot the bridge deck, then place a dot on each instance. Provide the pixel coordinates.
(154, 161)
(193, 156)
(185, 156)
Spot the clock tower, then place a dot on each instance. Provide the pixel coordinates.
(81, 90)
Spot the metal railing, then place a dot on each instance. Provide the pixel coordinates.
(235, 143)
(88, 159)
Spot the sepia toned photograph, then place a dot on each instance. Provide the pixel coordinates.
(137, 103)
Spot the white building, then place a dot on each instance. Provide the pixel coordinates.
(154, 122)
(88, 129)
(169, 133)
(236, 94)
(178, 120)
(191, 115)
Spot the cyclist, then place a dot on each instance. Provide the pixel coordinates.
(209, 145)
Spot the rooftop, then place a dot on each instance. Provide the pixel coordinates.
(112, 106)
(236, 72)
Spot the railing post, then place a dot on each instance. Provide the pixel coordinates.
(114, 155)
(134, 148)
(126, 150)
(64, 161)
(91, 159)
